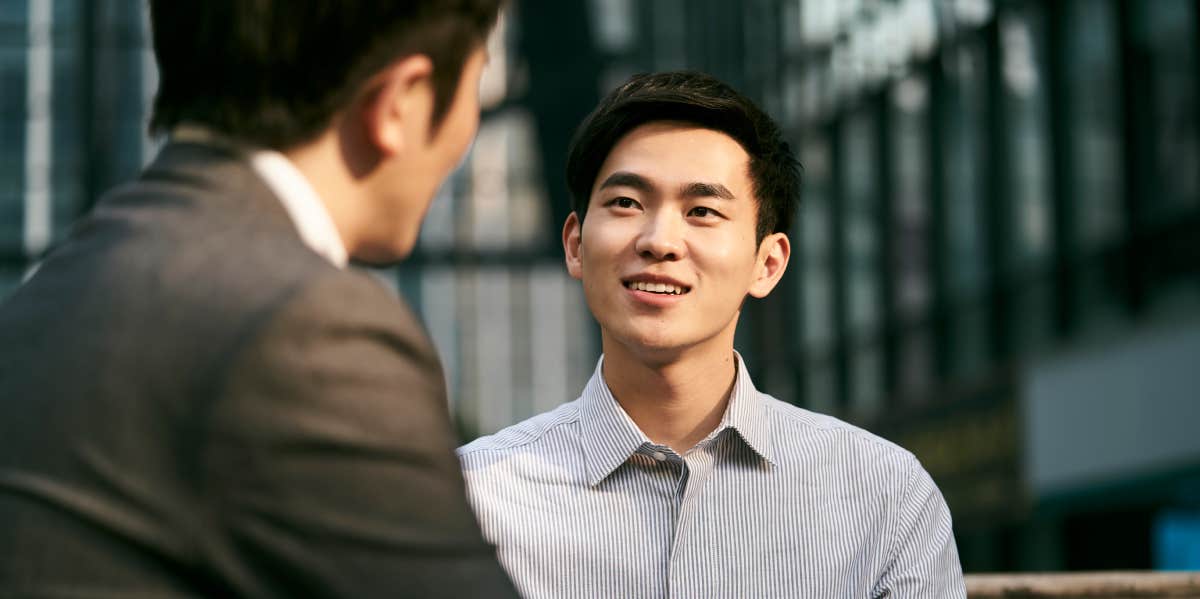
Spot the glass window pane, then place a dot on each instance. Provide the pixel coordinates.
(963, 193)
(915, 362)
(866, 379)
(12, 139)
(1094, 146)
(1096, 114)
(39, 119)
(816, 276)
(909, 254)
(1168, 31)
(1164, 35)
(70, 164)
(821, 387)
(1025, 104)
(862, 260)
(613, 24)
(497, 199)
(860, 221)
(1028, 254)
(963, 185)
(910, 156)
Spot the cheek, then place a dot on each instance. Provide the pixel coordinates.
(603, 243)
(732, 268)
(459, 125)
(472, 124)
(462, 142)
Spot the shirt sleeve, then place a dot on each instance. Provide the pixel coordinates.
(331, 470)
(924, 562)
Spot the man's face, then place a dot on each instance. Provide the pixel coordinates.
(667, 251)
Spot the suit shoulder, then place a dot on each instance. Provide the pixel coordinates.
(341, 305)
(346, 348)
(344, 289)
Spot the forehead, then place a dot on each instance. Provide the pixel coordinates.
(671, 153)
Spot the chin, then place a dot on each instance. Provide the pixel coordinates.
(657, 344)
(382, 254)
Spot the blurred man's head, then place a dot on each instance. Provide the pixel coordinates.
(682, 192)
(275, 72)
(376, 100)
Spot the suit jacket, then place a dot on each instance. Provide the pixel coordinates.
(192, 402)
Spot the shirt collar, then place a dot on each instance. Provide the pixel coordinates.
(749, 414)
(301, 201)
(610, 436)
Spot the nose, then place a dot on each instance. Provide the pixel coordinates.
(661, 238)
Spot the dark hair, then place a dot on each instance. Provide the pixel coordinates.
(702, 100)
(275, 72)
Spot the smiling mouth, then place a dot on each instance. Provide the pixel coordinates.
(659, 288)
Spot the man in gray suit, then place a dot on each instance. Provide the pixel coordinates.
(197, 397)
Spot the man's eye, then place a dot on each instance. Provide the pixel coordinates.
(624, 203)
(702, 211)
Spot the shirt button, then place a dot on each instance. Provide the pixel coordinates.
(660, 456)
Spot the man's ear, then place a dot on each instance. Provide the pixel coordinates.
(773, 254)
(398, 105)
(571, 237)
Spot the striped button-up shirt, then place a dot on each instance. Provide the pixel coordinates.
(776, 502)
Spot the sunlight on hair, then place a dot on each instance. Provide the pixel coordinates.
(493, 87)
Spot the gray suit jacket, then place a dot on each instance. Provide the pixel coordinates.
(192, 402)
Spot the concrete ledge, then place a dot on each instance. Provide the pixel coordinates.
(1078, 585)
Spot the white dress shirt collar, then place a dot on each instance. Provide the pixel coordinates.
(299, 198)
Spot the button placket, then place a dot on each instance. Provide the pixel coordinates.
(683, 557)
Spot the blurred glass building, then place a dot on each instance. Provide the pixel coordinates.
(997, 257)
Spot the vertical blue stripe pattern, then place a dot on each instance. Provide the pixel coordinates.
(776, 502)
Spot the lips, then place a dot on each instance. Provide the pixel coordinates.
(656, 284)
(655, 288)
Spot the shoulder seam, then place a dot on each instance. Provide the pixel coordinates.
(910, 480)
(846, 428)
(464, 451)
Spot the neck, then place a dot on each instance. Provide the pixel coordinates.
(675, 402)
(325, 165)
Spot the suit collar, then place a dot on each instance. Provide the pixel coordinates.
(202, 154)
(221, 174)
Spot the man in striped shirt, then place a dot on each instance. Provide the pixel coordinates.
(671, 476)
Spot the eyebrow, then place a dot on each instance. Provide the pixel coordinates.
(627, 179)
(706, 190)
(688, 190)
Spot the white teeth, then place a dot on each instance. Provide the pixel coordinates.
(656, 288)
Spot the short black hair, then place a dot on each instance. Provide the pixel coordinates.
(705, 101)
(275, 72)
